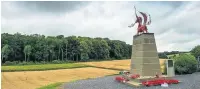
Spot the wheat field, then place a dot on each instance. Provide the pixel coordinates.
(114, 64)
(36, 79)
(117, 64)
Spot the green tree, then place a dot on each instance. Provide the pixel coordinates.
(40, 50)
(84, 50)
(73, 47)
(17, 44)
(185, 64)
(6, 50)
(66, 44)
(63, 47)
(59, 47)
(115, 49)
(196, 51)
(51, 42)
(101, 49)
(27, 51)
(162, 55)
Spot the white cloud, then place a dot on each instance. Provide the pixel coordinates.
(182, 29)
(174, 28)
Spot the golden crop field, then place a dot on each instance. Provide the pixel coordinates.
(116, 64)
(36, 79)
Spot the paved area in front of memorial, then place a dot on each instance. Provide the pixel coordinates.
(189, 81)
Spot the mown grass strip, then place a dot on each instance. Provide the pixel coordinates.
(42, 67)
(52, 86)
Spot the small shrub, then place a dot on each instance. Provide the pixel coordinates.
(9, 63)
(185, 64)
(43, 62)
(15, 62)
(30, 63)
(69, 61)
(38, 63)
(56, 62)
(23, 63)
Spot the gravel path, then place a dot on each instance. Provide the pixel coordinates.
(190, 81)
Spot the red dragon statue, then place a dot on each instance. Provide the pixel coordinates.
(141, 27)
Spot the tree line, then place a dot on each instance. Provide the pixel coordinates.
(40, 48)
(166, 53)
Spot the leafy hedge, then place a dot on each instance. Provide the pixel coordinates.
(185, 64)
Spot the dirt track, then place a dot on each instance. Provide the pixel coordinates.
(35, 79)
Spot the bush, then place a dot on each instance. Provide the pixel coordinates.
(185, 64)
(43, 62)
(196, 51)
(23, 63)
(56, 61)
(69, 61)
(162, 55)
(9, 63)
(30, 63)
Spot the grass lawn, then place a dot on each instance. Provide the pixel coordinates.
(41, 67)
(52, 86)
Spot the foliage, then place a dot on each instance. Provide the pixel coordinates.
(185, 64)
(45, 49)
(172, 56)
(6, 50)
(196, 51)
(52, 86)
(56, 61)
(27, 51)
(10, 63)
(172, 52)
(41, 67)
(162, 55)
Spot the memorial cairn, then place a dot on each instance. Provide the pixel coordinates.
(145, 65)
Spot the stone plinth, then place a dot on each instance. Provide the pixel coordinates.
(144, 59)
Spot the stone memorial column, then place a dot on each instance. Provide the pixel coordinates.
(144, 58)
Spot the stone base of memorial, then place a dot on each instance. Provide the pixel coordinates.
(145, 65)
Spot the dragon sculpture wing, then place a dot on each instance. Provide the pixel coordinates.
(145, 18)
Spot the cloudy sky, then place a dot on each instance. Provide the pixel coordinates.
(176, 25)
